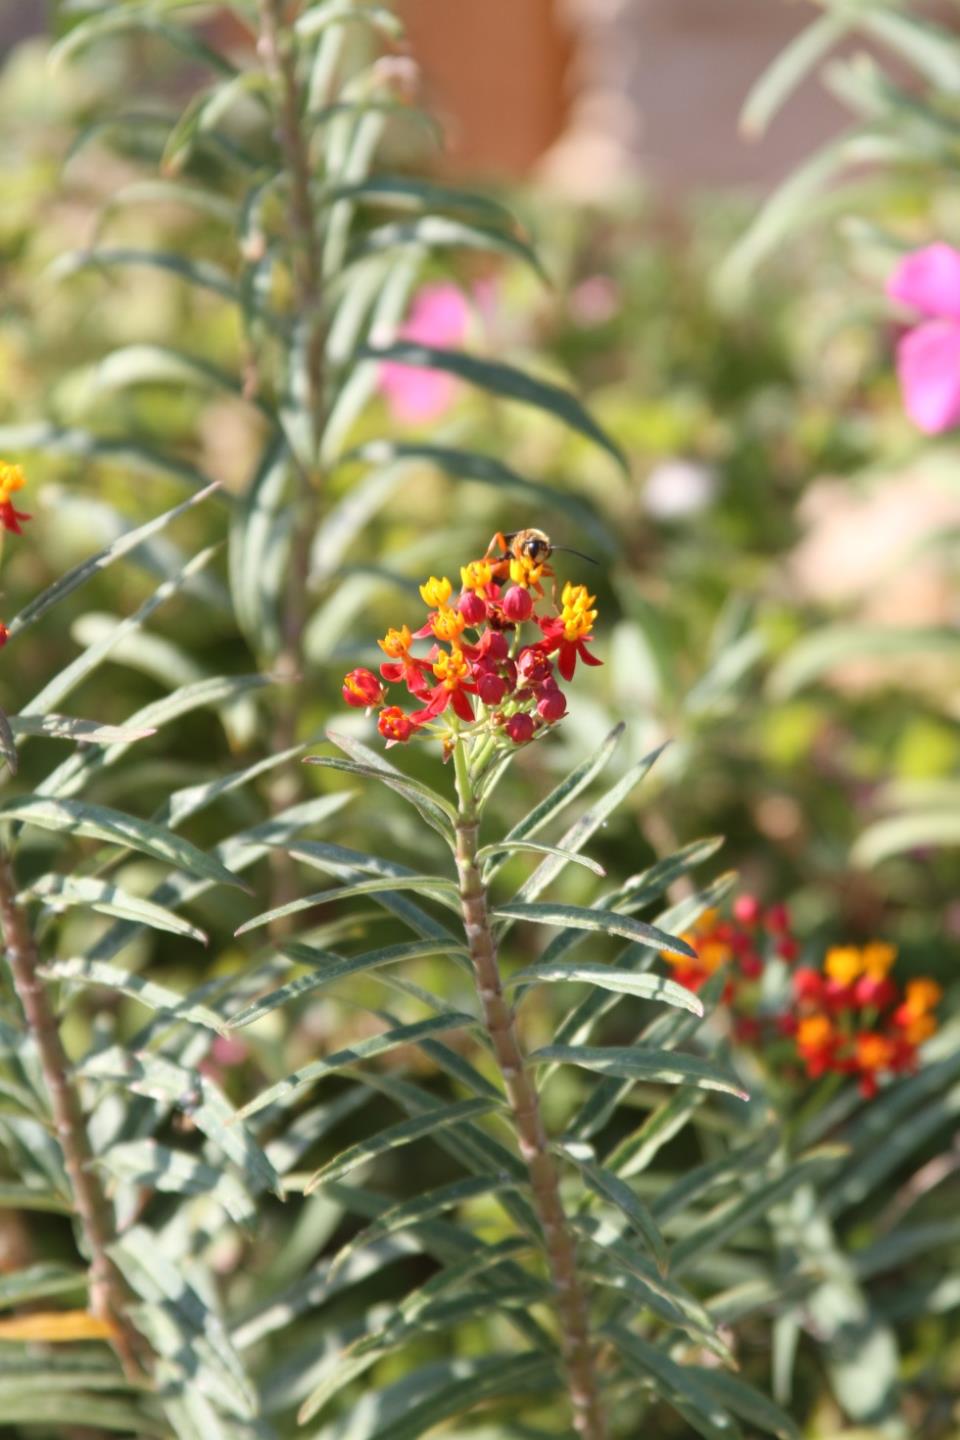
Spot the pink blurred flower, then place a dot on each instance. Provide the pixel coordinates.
(595, 300)
(439, 317)
(928, 356)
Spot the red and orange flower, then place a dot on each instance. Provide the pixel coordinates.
(478, 666)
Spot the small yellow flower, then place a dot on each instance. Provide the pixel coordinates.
(844, 964)
(396, 643)
(447, 624)
(878, 959)
(12, 479)
(477, 575)
(451, 670)
(525, 572)
(577, 614)
(436, 592)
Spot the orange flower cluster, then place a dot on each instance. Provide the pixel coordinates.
(12, 479)
(743, 943)
(848, 1018)
(477, 664)
(851, 1017)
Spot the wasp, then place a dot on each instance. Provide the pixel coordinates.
(533, 546)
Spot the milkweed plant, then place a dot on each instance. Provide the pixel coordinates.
(222, 1245)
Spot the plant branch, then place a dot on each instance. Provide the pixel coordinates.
(570, 1298)
(109, 1297)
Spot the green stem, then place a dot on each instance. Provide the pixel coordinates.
(109, 1297)
(570, 1300)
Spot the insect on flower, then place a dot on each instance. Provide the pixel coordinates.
(480, 675)
(524, 555)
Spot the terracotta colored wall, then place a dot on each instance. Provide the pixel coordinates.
(495, 72)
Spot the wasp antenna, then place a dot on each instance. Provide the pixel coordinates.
(568, 550)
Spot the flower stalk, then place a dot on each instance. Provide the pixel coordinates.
(579, 1353)
(109, 1297)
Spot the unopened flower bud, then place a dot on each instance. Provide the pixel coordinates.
(361, 689)
(746, 909)
(520, 728)
(491, 687)
(394, 725)
(517, 604)
(472, 607)
(552, 705)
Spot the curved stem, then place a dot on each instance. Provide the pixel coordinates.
(109, 1297)
(570, 1302)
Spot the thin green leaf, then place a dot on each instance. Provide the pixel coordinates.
(832, 646)
(604, 922)
(35, 1282)
(435, 231)
(148, 992)
(105, 898)
(85, 732)
(631, 1062)
(97, 822)
(420, 884)
(568, 789)
(505, 381)
(618, 1193)
(608, 977)
(789, 69)
(405, 1132)
(480, 469)
(366, 1049)
(69, 582)
(900, 834)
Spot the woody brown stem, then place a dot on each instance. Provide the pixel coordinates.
(570, 1300)
(109, 1297)
(277, 50)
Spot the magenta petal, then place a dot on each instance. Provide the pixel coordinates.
(416, 396)
(439, 316)
(928, 280)
(928, 363)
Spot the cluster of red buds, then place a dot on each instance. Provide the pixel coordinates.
(12, 479)
(848, 1018)
(478, 671)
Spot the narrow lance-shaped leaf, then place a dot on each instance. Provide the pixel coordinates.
(607, 977)
(604, 922)
(97, 822)
(481, 469)
(81, 573)
(148, 992)
(365, 1049)
(403, 1133)
(106, 898)
(633, 1063)
(564, 793)
(502, 380)
(618, 1193)
(420, 884)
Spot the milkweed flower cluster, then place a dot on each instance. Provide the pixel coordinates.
(479, 674)
(852, 1018)
(849, 1017)
(12, 480)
